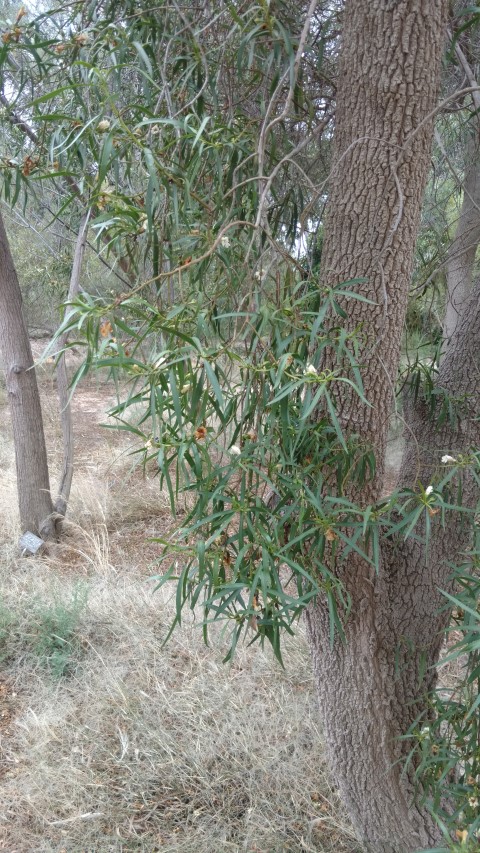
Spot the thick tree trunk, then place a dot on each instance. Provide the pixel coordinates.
(35, 503)
(369, 687)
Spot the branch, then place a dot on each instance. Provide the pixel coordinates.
(16, 121)
(468, 73)
(267, 125)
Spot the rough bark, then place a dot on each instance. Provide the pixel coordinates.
(35, 503)
(66, 475)
(388, 84)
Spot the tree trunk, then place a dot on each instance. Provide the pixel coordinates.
(370, 688)
(461, 254)
(66, 475)
(462, 251)
(35, 503)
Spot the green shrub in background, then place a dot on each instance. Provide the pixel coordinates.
(7, 620)
(56, 639)
(46, 632)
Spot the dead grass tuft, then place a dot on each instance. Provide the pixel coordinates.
(145, 748)
(133, 746)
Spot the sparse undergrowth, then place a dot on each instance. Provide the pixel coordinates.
(115, 743)
(45, 631)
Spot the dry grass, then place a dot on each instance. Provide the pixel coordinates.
(136, 746)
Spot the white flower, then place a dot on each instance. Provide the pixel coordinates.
(473, 802)
(310, 370)
(234, 450)
(103, 126)
(429, 490)
(446, 459)
(425, 731)
(225, 242)
(257, 275)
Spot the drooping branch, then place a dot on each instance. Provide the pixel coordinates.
(17, 121)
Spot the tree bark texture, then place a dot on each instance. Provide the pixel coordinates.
(370, 688)
(33, 483)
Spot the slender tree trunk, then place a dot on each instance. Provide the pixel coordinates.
(462, 251)
(66, 475)
(35, 503)
(461, 255)
(369, 688)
